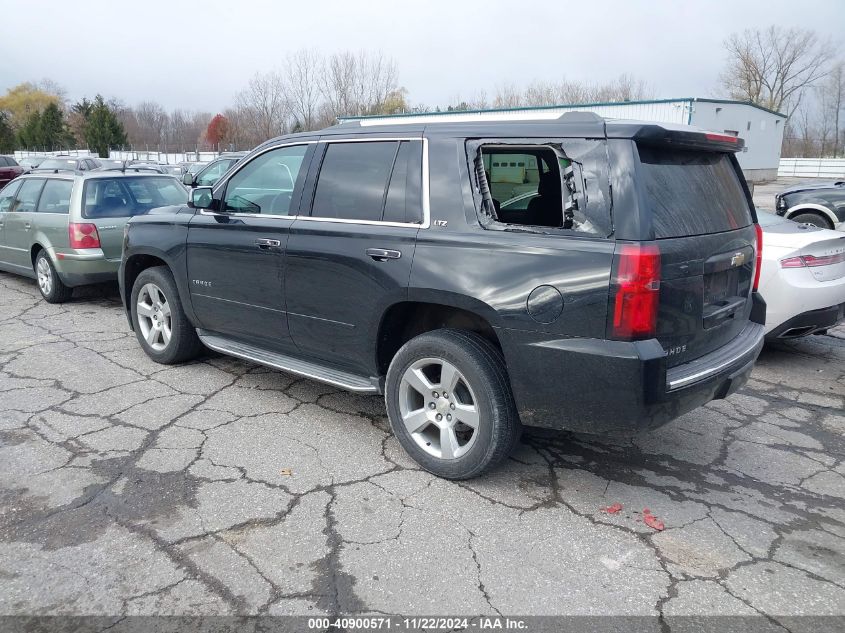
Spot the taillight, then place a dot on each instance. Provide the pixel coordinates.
(83, 235)
(637, 292)
(811, 261)
(758, 260)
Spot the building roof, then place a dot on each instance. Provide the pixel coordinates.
(568, 106)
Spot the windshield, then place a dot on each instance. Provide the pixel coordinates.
(128, 196)
(692, 192)
(57, 163)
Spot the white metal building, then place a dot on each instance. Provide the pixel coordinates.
(761, 129)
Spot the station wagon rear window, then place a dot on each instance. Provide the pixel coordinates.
(692, 192)
(128, 196)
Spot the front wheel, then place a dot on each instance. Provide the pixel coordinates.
(450, 404)
(812, 218)
(161, 326)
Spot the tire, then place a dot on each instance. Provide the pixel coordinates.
(162, 328)
(808, 217)
(52, 288)
(482, 397)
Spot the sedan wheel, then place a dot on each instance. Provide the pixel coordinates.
(154, 317)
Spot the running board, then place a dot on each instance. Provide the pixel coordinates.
(336, 377)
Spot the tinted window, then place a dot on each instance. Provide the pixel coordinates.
(55, 198)
(4, 162)
(353, 180)
(28, 195)
(404, 194)
(213, 172)
(132, 195)
(266, 184)
(7, 195)
(692, 192)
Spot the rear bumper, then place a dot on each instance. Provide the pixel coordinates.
(81, 268)
(597, 386)
(809, 322)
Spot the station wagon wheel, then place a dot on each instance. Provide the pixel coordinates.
(438, 408)
(450, 403)
(160, 323)
(52, 288)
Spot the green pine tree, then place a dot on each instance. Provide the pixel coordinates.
(103, 131)
(29, 134)
(54, 131)
(7, 135)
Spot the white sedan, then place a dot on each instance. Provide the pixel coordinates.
(802, 277)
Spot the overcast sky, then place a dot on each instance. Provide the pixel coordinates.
(198, 54)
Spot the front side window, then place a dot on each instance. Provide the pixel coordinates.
(266, 184)
(55, 198)
(131, 195)
(27, 197)
(7, 196)
(371, 181)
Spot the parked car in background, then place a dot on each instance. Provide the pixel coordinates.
(67, 163)
(110, 163)
(819, 203)
(373, 258)
(65, 229)
(802, 278)
(31, 162)
(9, 169)
(173, 170)
(212, 172)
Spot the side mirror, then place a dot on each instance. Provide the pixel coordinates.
(188, 179)
(201, 198)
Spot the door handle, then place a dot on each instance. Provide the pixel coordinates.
(27, 225)
(383, 254)
(265, 243)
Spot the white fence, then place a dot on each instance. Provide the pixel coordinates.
(170, 158)
(812, 167)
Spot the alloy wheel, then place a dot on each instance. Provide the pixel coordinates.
(45, 275)
(439, 408)
(154, 318)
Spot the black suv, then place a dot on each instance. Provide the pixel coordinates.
(616, 291)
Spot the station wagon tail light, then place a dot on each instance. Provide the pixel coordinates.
(811, 261)
(637, 292)
(83, 235)
(758, 259)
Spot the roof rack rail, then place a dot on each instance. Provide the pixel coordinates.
(580, 116)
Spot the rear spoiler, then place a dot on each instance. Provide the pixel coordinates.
(691, 139)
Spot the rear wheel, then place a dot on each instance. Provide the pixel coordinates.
(808, 217)
(160, 323)
(450, 403)
(51, 286)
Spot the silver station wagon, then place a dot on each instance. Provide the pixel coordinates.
(65, 229)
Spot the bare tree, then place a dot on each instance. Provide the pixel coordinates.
(774, 67)
(832, 101)
(151, 121)
(263, 106)
(357, 84)
(302, 70)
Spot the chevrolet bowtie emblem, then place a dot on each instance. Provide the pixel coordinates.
(738, 259)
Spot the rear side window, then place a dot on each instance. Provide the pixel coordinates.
(27, 197)
(372, 181)
(692, 192)
(55, 198)
(128, 196)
